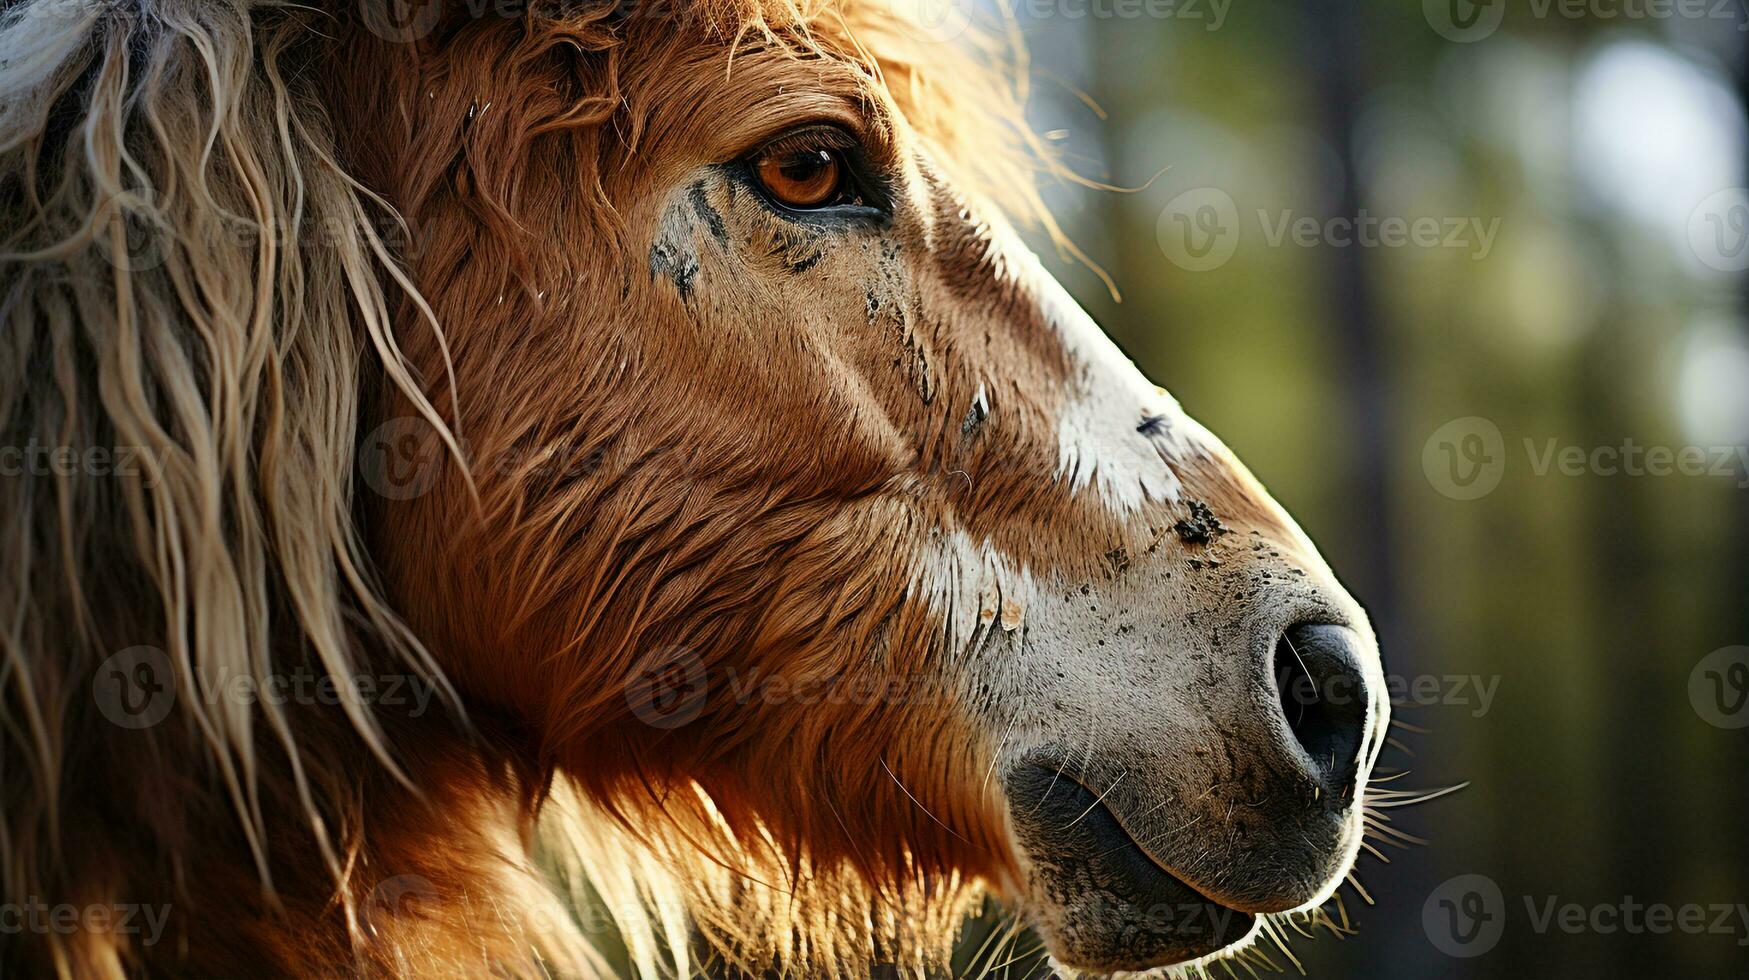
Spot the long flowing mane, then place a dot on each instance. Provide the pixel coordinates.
(207, 297)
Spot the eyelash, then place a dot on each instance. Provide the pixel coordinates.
(862, 195)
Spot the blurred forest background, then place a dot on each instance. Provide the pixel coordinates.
(1364, 384)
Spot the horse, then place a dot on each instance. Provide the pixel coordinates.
(471, 463)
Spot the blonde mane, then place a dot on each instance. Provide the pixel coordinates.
(206, 301)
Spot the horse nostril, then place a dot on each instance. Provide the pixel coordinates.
(1324, 698)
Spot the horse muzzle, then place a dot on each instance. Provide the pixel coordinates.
(1238, 796)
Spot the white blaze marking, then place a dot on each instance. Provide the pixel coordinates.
(1098, 444)
(972, 587)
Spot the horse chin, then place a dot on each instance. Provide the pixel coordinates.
(1101, 903)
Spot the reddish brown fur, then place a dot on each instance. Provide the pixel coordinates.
(700, 508)
(779, 565)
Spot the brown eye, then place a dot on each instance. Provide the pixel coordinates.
(800, 178)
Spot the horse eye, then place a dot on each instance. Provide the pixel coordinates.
(803, 179)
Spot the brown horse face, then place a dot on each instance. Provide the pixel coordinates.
(945, 582)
